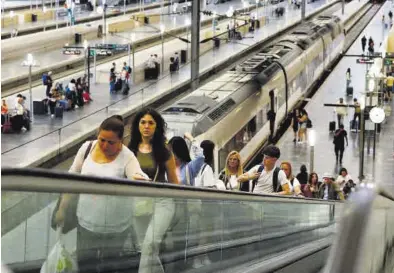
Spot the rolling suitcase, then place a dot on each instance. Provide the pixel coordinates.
(39, 107)
(7, 126)
(59, 112)
(118, 85)
(332, 126)
(349, 91)
(125, 89)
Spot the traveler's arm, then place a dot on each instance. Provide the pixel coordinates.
(285, 189)
(252, 174)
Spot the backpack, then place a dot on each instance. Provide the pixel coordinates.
(129, 70)
(44, 79)
(308, 123)
(275, 186)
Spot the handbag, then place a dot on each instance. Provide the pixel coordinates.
(70, 215)
(144, 206)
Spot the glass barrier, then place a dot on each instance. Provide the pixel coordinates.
(150, 227)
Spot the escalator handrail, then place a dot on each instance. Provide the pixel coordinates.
(43, 180)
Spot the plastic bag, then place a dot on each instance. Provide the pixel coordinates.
(59, 259)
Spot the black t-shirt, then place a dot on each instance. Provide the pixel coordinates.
(339, 137)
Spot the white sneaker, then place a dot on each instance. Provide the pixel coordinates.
(23, 129)
(76, 106)
(52, 116)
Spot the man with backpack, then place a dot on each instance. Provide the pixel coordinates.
(127, 68)
(267, 177)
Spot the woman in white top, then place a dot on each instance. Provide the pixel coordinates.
(295, 186)
(103, 221)
(343, 178)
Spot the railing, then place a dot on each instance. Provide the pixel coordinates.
(230, 230)
(365, 241)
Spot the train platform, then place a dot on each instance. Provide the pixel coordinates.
(376, 170)
(51, 58)
(31, 147)
(81, 15)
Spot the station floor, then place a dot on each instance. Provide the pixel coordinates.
(48, 58)
(378, 170)
(24, 149)
(78, 16)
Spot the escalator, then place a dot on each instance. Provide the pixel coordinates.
(184, 229)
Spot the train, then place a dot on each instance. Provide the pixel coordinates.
(234, 110)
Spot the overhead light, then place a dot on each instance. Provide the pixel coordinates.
(311, 137)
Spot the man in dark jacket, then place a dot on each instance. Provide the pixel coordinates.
(339, 142)
(330, 190)
(363, 43)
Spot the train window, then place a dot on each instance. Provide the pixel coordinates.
(181, 110)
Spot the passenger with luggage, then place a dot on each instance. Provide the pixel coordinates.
(54, 97)
(267, 178)
(339, 143)
(103, 222)
(71, 94)
(19, 120)
(295, 186)
(125, 85)
(363, 43)
(330, 190)
(341, 111)
(112, 80)
(79, 93)
(47, 81)
(151, 222)
(128, 70)
(311, 189)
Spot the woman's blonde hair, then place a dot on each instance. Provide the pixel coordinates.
(290, 168)
(240, 170)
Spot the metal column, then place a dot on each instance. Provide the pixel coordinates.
(31, 96)
(89, 69)
(195, 41)
(312, 159)
(303, 8)
(343, 7)
(361, 147)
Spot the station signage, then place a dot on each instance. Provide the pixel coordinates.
(72, 51)
(389, 55)
(100, 52)
(114, 47)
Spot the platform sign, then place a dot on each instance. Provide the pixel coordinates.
(114, 47)
(365, 61)
(72, 51)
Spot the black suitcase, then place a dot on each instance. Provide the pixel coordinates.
(59, 112)
(125, 89)
(183, 56)
(349, 91)
(216, 42)
(118, 85)
(39, 107)
(332, 126)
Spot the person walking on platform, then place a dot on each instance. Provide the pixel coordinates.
(371, 46)
(339, 143)
(363, 43)
(341, 111)
(295, 124)
(330, 190)
(348, 77)
(302, 120)
(48, 83)
(267, 178)
(357, 115)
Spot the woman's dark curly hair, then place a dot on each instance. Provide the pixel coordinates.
(159, 149)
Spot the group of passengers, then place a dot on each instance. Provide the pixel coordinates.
(16, 119)
(119, 80)
(104, 223)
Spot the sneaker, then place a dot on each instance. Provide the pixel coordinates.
(76, 106)
(197, 263)
(52, 116)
